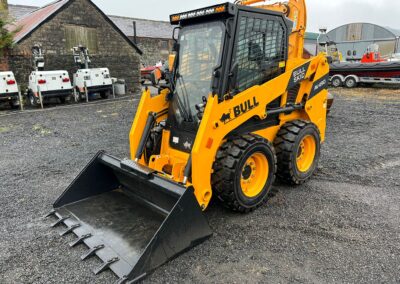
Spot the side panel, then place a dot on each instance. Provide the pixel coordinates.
(221, 118)
(7, 88)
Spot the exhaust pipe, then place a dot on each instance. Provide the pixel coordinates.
(128, 216)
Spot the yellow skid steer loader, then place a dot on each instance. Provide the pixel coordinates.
(241, 107)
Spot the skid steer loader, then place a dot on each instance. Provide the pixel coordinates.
(241, 107)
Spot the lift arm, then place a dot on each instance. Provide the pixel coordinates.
(296, 11)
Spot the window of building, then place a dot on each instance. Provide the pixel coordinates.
(259, 51)
(164, 44)
(349, 53)
(78, 35)
(354, 52)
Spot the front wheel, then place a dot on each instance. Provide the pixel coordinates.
(244, 172)
(298, 147)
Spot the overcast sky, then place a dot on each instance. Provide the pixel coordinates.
(321, 13)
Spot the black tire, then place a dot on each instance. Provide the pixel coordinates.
(14, 106)
(62, 100)
(32, 100)
(78, 97)
(104, 95)
(350, 82)
(336, 82)
(229, 167)
(287, 145)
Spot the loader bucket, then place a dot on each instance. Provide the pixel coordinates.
(129, 217)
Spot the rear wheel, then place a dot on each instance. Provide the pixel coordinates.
(350, 82)
(244, 172)
(298, 147)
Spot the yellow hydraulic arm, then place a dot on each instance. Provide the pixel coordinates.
(296, 11)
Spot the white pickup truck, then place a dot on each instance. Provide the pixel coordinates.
(9, 89)
(52, 84)
(96, 80)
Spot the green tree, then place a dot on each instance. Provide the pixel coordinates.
(6, 37)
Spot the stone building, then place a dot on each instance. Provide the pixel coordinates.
(154, 38)
(64, 24)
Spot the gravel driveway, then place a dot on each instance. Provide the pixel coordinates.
(342, 226)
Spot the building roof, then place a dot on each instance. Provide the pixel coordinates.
(144, 28)
(358, 32)
(394, 31)
(28, 23)
(31, 21)
(18, 11)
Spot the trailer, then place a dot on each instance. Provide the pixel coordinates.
(372, 69)
(90, 80)
(9, 89)
(44, 85)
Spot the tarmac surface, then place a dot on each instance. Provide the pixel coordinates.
(341, 227)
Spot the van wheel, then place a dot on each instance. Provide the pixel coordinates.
(244, 172)
(298, 146)
(350, 83)
(104, 95)
(33, 100)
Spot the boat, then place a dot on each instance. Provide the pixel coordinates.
(372, 69)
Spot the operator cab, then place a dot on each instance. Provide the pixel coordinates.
(221, 50)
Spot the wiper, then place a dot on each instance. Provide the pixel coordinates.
(186, 101)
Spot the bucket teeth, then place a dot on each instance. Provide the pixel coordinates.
(51, 213)
(105, 265)
(69, 230)
(60, 221)
(80, 240)
(123, 280)
(92, 252)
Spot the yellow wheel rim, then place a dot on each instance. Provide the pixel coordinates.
(254, 175)
(306, 153)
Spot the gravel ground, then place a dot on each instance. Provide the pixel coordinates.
(341, 227)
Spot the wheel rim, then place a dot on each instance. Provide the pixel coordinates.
(350, 83)
(254, 175)
(336, 82)
(306, 153)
